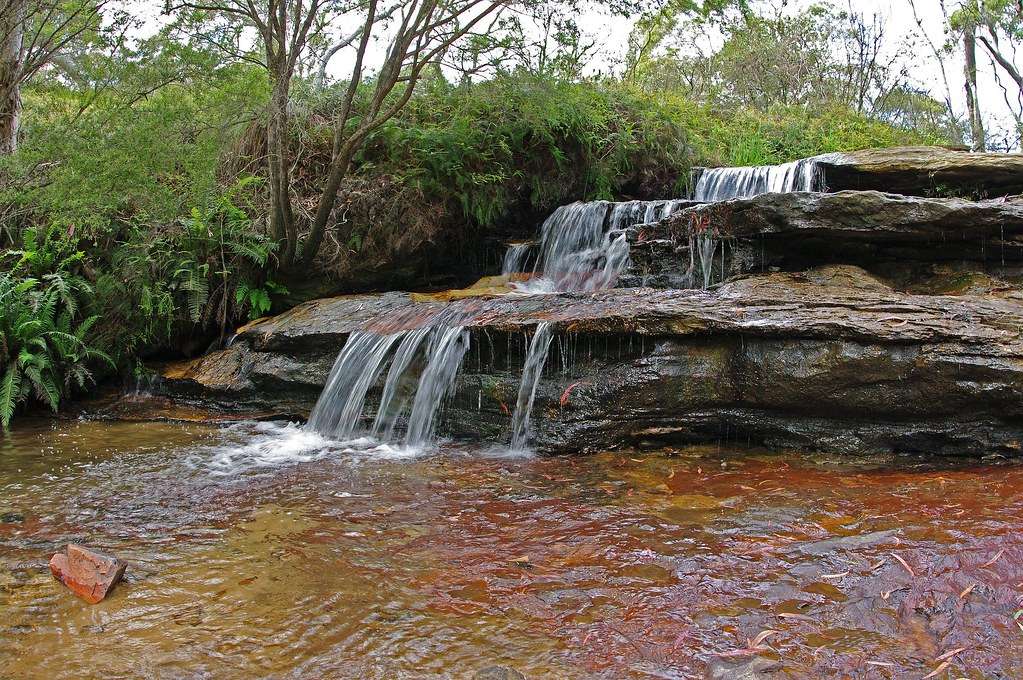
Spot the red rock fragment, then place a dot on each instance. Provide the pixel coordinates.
(89, 575)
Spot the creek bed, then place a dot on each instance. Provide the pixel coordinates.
(259, 550)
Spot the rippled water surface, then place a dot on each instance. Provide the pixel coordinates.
(263, 551)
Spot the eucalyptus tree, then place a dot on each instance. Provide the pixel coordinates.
(998, 26)
(33, 33)
(415, 35)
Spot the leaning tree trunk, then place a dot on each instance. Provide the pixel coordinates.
(972, 102)
(11, 30)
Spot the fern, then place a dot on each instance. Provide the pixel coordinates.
(45, 353)
(9, 391)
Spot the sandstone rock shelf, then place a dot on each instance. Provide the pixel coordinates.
(827, 360)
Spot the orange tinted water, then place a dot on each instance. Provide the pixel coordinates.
(286, 559)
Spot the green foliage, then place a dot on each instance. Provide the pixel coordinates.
(258, 298)
(490, 145)
(187, 276)
(45, 348)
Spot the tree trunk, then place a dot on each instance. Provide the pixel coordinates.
(338, 171)
(11, 27)
(282, 222)
(972, 103)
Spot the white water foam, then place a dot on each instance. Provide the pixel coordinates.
(253, 446)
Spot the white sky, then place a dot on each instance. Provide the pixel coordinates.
(900, 26)
(611, 34)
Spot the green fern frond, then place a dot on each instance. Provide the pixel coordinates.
(9, 391)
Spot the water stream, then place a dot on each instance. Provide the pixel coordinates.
(722, 184)
(265, 551)
(536, 357)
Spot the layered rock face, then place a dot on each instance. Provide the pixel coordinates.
(828, 359)
(911, 241)
(851, 322)
(925, 171)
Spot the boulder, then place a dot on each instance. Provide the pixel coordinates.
(925, 171)
(89, 575)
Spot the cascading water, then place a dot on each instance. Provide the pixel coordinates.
(515, 258)
(539, 347)
(360, 365)
(581, 249)
(722, 184)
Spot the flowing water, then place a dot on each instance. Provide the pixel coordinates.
(722, 184)
(418, 369)
(582, 248)
(266, 551)
(536, 357)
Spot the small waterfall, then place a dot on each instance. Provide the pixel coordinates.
(570, 242)
(631, 213)
(361, 360)
(448, 348)
(515, 258)
(702, 248)
(361, 364)
(397, 377)
(722, 184)
(539, 347)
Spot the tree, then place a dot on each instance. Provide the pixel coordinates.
(425, 30)
(32, 34)
(999, 28)
(418, 33)
(968, 30)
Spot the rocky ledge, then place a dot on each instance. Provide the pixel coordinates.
(905, 239)
(925, 171)
(829, 359)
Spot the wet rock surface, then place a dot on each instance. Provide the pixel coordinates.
(925, 170)
(88, 574)
(829, 359)
(906, 239)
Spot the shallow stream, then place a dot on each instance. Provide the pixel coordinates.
(259, 550)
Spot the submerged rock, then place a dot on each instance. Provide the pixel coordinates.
(755, 668)
(498, 673)
(89, 575)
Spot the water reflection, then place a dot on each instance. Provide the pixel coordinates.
(258, 551)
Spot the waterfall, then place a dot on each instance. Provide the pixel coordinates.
(582, 247)
(448, 347)
(361, 364)
(515, 258)
(631, 213)
(539, 347)
(721, 184)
